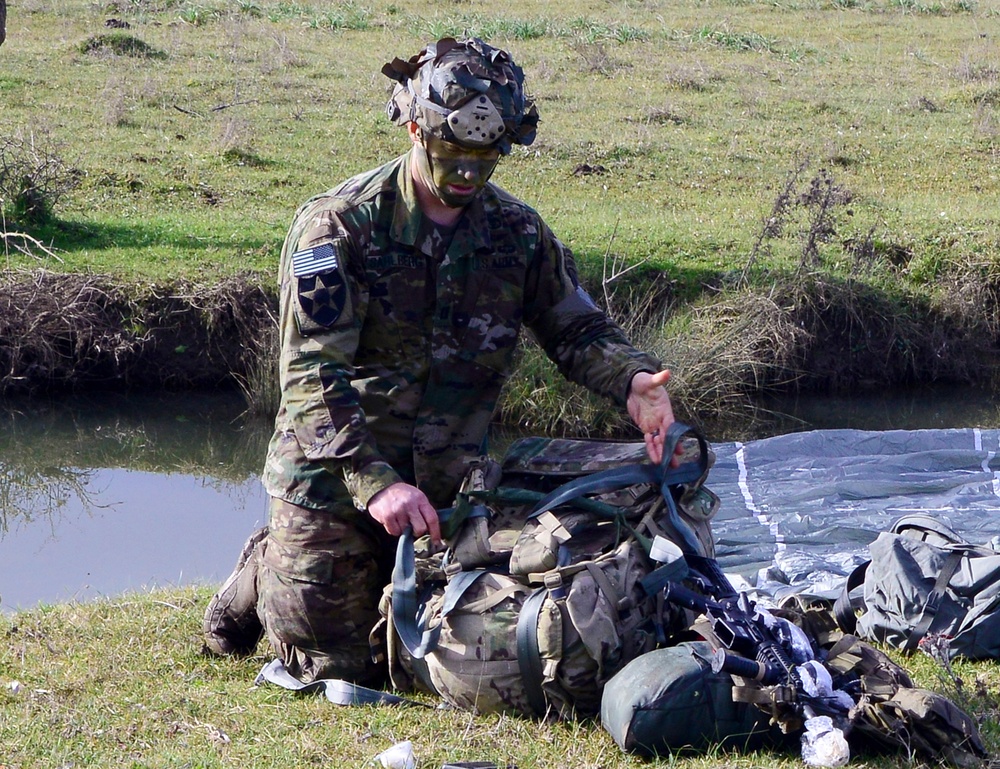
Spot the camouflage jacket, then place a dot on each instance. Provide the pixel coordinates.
(394, 351)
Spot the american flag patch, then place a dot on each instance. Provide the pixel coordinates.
(313, 261)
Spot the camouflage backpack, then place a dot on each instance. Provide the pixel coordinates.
(539, 598)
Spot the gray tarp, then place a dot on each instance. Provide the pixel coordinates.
(799, 510)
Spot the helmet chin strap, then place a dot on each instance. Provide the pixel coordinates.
(423, 146)
(429, 162)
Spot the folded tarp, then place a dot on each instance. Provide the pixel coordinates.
(799, 510)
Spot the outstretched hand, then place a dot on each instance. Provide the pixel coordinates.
(650, 409)
(401, 505)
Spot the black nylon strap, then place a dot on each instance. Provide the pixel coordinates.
(528, 657)
(843, 608)
(405, 606)
(664, 476)
(404, 594)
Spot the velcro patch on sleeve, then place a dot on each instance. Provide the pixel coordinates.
(315, 260)
(322, 297)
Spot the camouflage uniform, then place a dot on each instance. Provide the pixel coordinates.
(395, 344)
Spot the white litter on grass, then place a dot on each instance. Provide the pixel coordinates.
(399, 756)
(823, 744)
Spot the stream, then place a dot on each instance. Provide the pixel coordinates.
(103, 495)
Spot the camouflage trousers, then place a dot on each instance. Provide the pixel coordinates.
(319, 583)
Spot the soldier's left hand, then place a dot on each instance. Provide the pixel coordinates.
(650, 409)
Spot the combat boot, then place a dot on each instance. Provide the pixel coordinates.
(231, 625)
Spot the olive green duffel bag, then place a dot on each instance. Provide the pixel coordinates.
(669, 701)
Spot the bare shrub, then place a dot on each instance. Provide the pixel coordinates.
(728, 350)
(774, 222)
(597, 59)
(816, 207)
(259, 379)
(985, 122)
(691, 78)
(820, 199)
(978, 65)
(53, 326)
(283, 56)
(33, 178)
(544, 72)
(236, 140)
(234, 132)
(926, 104)
(864, 337)
(666, 115)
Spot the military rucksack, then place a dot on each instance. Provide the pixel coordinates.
(538, 599)
(796, 666)
(678, 699)
(893, 713)
(925, 580)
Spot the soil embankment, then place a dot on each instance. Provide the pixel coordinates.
(60, 332)
(64, 331)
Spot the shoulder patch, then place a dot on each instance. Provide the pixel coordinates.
(322, 297)
(315, 260)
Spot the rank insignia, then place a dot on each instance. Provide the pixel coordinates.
(322, 297)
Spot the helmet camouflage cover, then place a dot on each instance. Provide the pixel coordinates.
(465, 92)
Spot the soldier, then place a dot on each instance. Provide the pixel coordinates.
(403, 292)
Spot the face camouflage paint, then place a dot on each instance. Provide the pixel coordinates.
(452, 173)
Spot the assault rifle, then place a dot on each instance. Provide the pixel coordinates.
(752, 643)
(757, 645)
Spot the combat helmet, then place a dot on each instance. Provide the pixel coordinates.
(463, 91)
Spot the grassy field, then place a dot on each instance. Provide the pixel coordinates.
(669, 129)
(808, 187)
(121, 683)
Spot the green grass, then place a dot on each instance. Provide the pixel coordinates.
(121, 683)
(205, 149)
(190, 163)
(195, 132)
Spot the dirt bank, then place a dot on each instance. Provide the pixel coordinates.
(61, 332)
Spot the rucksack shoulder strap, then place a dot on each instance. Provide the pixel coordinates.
(529, 657)
(664, 476)
(929, 612)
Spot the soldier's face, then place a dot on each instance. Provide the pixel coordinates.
(452, 173)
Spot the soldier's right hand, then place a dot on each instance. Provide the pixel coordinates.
(401, 505)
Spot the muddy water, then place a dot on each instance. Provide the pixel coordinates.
(100, 496)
